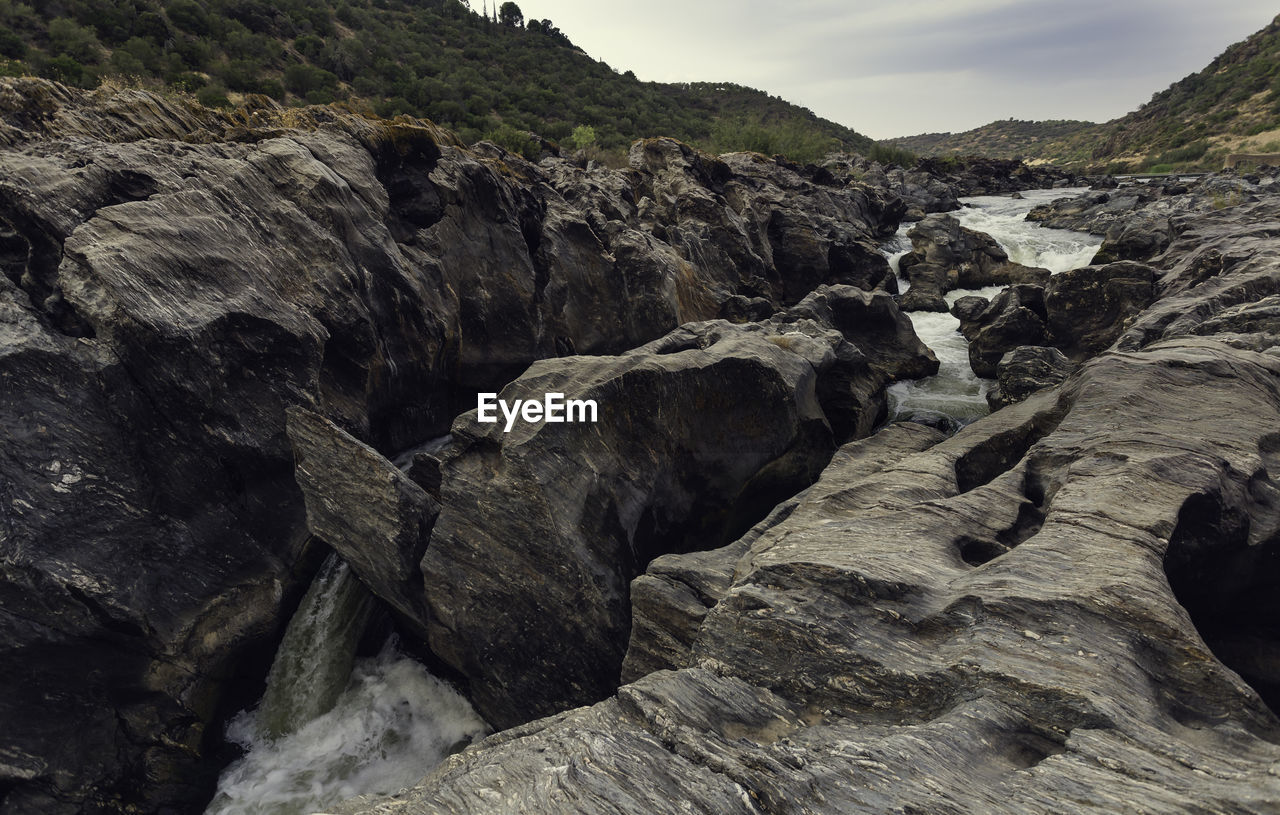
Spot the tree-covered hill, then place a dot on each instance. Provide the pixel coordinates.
(484, 76)
(1231, 106)
(1007, 138)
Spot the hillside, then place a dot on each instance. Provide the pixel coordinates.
(1231, 106)
(492, 77)
(1008, 138)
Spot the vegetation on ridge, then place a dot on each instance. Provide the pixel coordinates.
(492, 77)
(1231, 106)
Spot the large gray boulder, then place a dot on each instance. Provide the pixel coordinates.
(699, 433)
(965, 258)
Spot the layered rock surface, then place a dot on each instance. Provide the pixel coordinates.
(523, 583)
(175, 279)
(1054, 610)
(1139, 221)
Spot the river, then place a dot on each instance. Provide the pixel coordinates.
(956, 393)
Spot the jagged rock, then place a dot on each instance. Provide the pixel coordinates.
(929, 641)
(872, 323)
(175, 278)
(1025, 370)
(370, 512)
(929, 282)
(1087, 309)
(979, 175)
(698, 433)
(971, 260)
(1014, 317)
(740, 309)
(671, 599)
(1139, 221)
(967, 309)
(920, 192)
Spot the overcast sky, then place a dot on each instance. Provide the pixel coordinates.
(901, 67)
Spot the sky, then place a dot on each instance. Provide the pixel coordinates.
(901, 67)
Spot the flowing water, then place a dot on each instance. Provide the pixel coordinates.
(956, 393)
(331, 726)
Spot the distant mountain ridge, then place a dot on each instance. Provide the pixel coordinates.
(1231, 106)
(1006, 139)
(485, 77)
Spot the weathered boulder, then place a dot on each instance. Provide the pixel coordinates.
(1014, 317)
(1087, 309)
(929, 282)
(971, 259)
(872, 323)
(698, 434)
(1025, 370)
(370, 512)
(968, 308)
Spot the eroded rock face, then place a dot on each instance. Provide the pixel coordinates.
(1139, 221)
(1088, 309)
(946, 256)
(1014, 317)
(543, 527)
(175, 279)
(1051, 611)
(1080, 312)
(1025, 370)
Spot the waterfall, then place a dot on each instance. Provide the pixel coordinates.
(956, 392)
(318, 651)
(331, 726)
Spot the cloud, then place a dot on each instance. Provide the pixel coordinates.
(896, 67)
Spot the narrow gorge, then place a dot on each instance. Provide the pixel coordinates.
(896, 501)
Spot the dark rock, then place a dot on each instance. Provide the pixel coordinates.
(1089, 308)
(929, 281)
(872, 323)
(971, 260)
(927, 640)
(175, 278)
(920, 192)
(424, 470)
(1025, 370)
(699, 434)
(370, 512)
(739, 309)
(695, 432)
(670, 600)
(1014, 317)
(1139, 221)
(967, 310)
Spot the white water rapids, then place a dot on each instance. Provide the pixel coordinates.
(956, 392)
(331, 726)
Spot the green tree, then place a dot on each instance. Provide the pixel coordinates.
(582, 137)
(68, 37)
(510, 14)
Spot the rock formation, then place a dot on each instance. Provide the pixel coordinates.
(523, 579)
(1055, 610)
(1139, 221)
(946, 256)
(175, 279)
